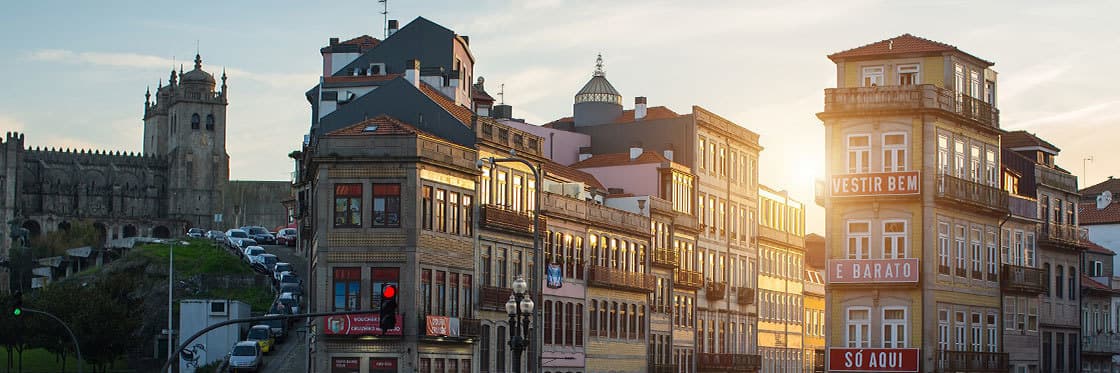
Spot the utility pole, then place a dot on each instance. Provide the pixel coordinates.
(385, 16)
(1084, 169)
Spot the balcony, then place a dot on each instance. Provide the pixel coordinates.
(468, 328)
(864, 100)
(728, 362)
(1064, 234)
(1023, 279)
(1056, 179)
(501, 218)
(492, 298)
(972, 193)
(966, 361)
(1023, 206)
(686, 279)
(663, 368)
(1100, 344)
(666, 258)
(715, 290)
(744, 295)
(619, 279)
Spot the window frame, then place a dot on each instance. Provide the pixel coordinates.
(862, 328)
(914, 76)
(898, 154)
(861, 153)
(391, 203)
(351, 217)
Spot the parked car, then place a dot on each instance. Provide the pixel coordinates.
(290, 278)
(235, 233)
(245, 357)
(279, 328)
(243, 244)
(260, 234)
(262, 334)
(294, 289)
(253, 254)
(286, 236)
(289, 300)
(216, 236)
(269, 261)
(195, 232)
(280, 268)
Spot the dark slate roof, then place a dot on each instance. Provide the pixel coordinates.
(1023, 139)
(420, 39)
(399, 99)
(904, 44)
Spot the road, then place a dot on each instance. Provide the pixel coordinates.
(290, 356)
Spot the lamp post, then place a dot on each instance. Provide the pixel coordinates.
(520, 308)
(171, 293)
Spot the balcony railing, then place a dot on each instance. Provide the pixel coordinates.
(715, 290)
(663, 368)
(1101, 343)
(666, 258)
(744, 295)
(493, 298)
(1064, 233)
(1022, 206)
(619, 279)
(967, 361)
(1024, 279)
(687, 279)
(971, 193)
(502, 218)
(1057, 179)
(725, 362)
(468, 328)
(909, 97)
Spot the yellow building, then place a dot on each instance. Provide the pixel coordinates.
(813, 342)
(913, 209)
(781, 258)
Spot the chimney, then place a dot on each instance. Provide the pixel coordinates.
(635, 152)
(502, 111)
(334, 41)
(412, 72)
(393, 27)
(639, 107)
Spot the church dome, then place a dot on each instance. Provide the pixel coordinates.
(599, 89)
(197, 75)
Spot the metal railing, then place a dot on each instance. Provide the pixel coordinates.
(665, 257)
(744, 295)
(500, 217)
(688, 279)
(1101, 343)
(493, 298)
(732, 362)
(1024, 279)
(970, 192)
(969, 361)
(715, 290)
(619, 279)
(1064, 233)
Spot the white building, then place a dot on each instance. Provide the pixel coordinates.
(196, 314)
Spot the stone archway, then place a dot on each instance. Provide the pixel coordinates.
(161, 232)
(33, 228)
(129, 231)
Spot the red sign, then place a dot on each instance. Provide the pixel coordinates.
(876, 184)
(439, 325)
(382, 365)
(363, 324)
(858, 271)
(873, 360)
(346, 365)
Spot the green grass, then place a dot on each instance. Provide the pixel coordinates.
(39, 360)
(198, 256)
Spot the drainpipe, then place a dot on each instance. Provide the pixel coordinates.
(999, 246)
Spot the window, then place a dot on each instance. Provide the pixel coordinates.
(908, 74)
(440, 211)
(962, 256)
(500, 353)
(1059, 281)
(195, 120)
(977, 255)
(438, 305)
(894, 327)
(1029, 250)
(859, 154)
(453, 302)
(974, 84)
(974, 164)
(347, 205)
(992, 169)
(453, 213)
(517, 193)
(942, 154)
(1009, 311)
(379, 277)
(531, 196)
(426, 291)
(993, 333)
(894, 239)
(484, 186)
(959, 159)
(959, 336)
(347, 288)
(859, 240)
(386, 205)
(1032, 314)
(1098, 268)
(993, 256)
(1073, 283)
(872, 76)
(943, 329)
(210, 122)
(858, 327)
(468, 216)
(426, 208)
(943, 247)
(976, 335)
(894, 152)
(500, 194)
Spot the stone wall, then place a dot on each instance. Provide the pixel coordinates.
(249, 202)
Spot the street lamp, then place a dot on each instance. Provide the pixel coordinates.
(171, 292)
(520, 309)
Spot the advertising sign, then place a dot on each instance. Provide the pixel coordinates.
(346, 365)
(876, 184)
(873, 360)
(382, 365)
(363, 324)
(555, 279)
(858, 271)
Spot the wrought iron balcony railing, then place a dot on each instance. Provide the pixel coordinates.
(969, 361)
(619, 279)
(1064, 233)
(715, 290)
(492, 298)
(744, 295)
(687, 279)
(1101, 343)
(468, 328)
(971, 193)
(1023, 279)
(728, 362)
(666, 258)
(501, 218)
(663, 368)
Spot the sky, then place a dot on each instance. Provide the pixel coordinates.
(75, 72)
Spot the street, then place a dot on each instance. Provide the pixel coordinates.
(290, 356)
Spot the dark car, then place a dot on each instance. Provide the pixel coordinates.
(295, 289)
(279, 328)
(260, 234)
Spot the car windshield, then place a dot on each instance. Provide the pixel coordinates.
(246, 242)
(258, 333)
(290, 288)
(257, 230)
(289, 278)
(269, 260)
(195, 230)
(244, 351)
(288, 301)
(283, 267)
(289, 232)
(256, 251)
(238, 234)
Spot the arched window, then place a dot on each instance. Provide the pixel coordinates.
(209, 122)
(195, 120)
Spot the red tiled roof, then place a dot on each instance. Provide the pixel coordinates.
(460, 112)
(1023, 139)
(902, 44)
(359, 78)
(1095, 248)
(1111, 185)
(1090, 284)
(655, 112)
(381, 125)
(572, 174)
(619, 159)
(1088, 214)
(363, 42)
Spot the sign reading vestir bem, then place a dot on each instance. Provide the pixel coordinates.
(876, 184)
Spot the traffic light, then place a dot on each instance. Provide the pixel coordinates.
(17, 303)
(388, 310)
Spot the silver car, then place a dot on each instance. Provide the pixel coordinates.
(245, 357)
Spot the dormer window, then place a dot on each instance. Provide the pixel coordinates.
(908, 74)
(209, 122)
(376, 69)
(872, 76)
(195, 120)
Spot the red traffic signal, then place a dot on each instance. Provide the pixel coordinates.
(389, 291)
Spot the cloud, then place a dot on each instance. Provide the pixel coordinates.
(1087, 116)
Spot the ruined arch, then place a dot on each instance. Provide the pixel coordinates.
(161, 232)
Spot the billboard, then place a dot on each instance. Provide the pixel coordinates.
(363, 324)
(873, 360)
(876, 184)
(858, 271)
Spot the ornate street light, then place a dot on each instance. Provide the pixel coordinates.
(520, 309)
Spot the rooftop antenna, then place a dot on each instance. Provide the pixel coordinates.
(1084, 172)
(502, 94)
(385, 15)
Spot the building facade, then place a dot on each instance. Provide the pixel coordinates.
(1100, 344)
(781, 289)
(913, 209)
(814, 343)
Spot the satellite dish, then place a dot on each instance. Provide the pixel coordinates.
(1104, 200)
